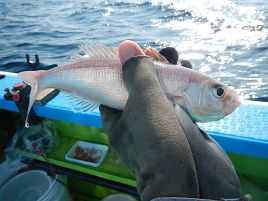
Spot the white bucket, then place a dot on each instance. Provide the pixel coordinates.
(57, 190)
(27, 186)
(34, 185)
(119, 197)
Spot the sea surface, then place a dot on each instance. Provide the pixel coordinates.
(226, 39)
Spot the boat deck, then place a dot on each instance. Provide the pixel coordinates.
(243, 132)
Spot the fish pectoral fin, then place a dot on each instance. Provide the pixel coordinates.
(95, 51)
(79, 104)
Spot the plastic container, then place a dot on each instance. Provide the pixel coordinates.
(119, 197)
(40, 139)
(9, 169)
(27, 186)
(57, 190)
(96, 151)
(35, 185)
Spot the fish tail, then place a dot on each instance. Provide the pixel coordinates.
(33, 79)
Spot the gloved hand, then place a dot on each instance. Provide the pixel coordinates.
(165, 150)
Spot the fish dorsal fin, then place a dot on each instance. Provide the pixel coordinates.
(95, 51)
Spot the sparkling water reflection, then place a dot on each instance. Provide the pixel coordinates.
(225, 39)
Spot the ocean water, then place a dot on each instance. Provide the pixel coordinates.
(225, 39)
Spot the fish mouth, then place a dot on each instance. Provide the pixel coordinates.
(235, 103)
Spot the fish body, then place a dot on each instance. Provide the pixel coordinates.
(97, 77)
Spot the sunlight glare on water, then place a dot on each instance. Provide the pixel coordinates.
(226, 39)
(215, 36)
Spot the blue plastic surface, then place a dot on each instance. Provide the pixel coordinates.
(244, 132)
(250, 120)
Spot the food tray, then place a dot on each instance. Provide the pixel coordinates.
(97, 151)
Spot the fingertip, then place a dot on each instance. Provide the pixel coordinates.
(186, 64)
(171, 54)
(129, 49)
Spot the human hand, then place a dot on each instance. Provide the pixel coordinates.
(164, 149)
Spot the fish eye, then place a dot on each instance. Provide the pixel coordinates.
(219, 91)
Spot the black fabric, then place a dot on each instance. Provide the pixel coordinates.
(216, 175)
(171, 54)
(186, 63)
(163, 148)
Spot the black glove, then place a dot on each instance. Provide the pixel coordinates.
(164, 149)
(171, 54)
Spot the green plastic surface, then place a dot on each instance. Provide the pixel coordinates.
(111, 168)
(248, 165)
(253, 175)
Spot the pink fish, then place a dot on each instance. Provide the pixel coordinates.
(97, 77)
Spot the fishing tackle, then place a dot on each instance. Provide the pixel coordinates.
(20, 95)
(36, 65)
